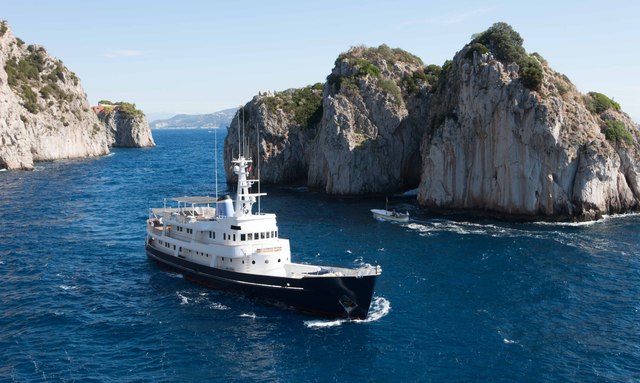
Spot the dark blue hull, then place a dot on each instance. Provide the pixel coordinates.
(330, 296)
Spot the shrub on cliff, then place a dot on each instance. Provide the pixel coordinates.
(476, 47)
(531, 72)
(30, 100)
(129, 109)
(391, 88)
(506, 46)
(615, 131)
(304, 104)
(366, 68)
(598, 102)
(503, 41)
(426, 76)
(377, 55)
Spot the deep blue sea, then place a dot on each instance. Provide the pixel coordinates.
(459, 299)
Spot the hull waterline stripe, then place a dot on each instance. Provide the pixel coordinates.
(224, 279)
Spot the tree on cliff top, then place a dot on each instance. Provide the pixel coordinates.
(503, 41)
(506, 45)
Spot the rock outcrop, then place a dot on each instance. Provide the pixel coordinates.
(126, 128)
(494, 130)
(44, 112)
(495, 145)
(352, 136)
(366, 143)
(287, 123)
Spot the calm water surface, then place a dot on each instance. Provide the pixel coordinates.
(458, 300)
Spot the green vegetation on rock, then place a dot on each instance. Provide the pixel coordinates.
(562, 87)
(428, 76)
(506, 45)
(391, 88)
(531, 73)
(376, 55)
(304, 104)
(28, 74)
(503, 41)
(598, 102)
(30, 99)
(615, 131)
(3, 27)
(128, 109)
(476, 47)
(371, 62)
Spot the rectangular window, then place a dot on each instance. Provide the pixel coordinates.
(224, 236)
(234, 238)
(256, 236)
(262, 235)
(250, 237)
(243, 237)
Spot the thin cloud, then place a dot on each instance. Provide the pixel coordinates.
(124, 53)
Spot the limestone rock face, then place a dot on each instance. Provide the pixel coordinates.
(44, 113)
(283, 142)
(352, 136)
(126, 131)
(500, 147)
(366, 142)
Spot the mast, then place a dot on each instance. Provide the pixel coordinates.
(258, 162)
(244, 198)
(215, 150)
(239, 147)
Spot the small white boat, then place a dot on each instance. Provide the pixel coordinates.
(390, 215)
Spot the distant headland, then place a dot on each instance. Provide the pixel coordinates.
(220, 118)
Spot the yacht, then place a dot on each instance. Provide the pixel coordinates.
(231, 248)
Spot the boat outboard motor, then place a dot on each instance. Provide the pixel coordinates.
(224, 207)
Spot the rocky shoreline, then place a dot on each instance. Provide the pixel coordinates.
(45, 114)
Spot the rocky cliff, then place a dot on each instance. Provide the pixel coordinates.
(126, 127)
(505, 140)
(44, 112)
(495, 129)
(354, 135)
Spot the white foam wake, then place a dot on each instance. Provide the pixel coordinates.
(183, 300)
(65, 287)
(589, 223)
(380, 307)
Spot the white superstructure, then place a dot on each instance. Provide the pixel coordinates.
(214, 233)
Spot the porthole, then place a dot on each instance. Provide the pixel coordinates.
(253, 262)
(278, 260)
(266, 261)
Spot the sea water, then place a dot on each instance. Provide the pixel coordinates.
(459, 298)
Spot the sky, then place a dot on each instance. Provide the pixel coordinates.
(193, 57)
